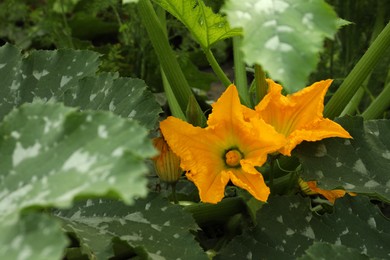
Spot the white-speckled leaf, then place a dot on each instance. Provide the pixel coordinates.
(51, 75)
(51, 154)
(126, 97)
(34, 237)
(155, 228)
(42, 75)
(283, 36)
(320, 250)
(206, 26)
(287, 228)
(361, 164)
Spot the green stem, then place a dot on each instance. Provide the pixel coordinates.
(240, 77)
(286, 184)
(352, 106)
(358, 74)
(380, 104)
(380, 20)
(261, 83)
(172, 101)
(125, 34)
(216, 68)
(66, 25)
(208, 213)
(271, 174)
(175, 76)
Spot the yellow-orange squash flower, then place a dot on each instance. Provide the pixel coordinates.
(310, 188)
(299, 116)
(228, 149)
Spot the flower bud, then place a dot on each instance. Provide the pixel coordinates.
(193, 113)
(167, 163)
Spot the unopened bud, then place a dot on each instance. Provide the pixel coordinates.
(167, 163)
(193, 113)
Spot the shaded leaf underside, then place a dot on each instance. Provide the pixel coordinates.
(153, 227)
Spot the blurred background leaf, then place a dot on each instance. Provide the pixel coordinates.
(283, 36)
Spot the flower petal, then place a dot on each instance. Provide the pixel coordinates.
(330, 195)
(315, 131)
(255, 138)
(274, 107)
(191, 143)
(251, 181)
(263, 140)
(227, 108)
(200, 151)
(298, 116)
(248, 113)
(211, 186)
(287, 113)
(309, 102)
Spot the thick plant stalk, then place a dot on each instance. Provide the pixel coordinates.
(380, 104)
(261, 84)
(351, 108)
(358, 74)
(172, 101)
(180, 87)
(240, 72)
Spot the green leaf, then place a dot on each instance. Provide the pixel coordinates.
(283, 36)
(153, 227)
(49, 75)
(320, 250)
(287, 227)
(361, 164)
(206, 26)
(34, 237)
(51, 155)
(126, 97)
(199, 79)
(43, 75)
(129, 1)
(342, 22)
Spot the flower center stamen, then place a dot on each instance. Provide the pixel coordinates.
(232, 158)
